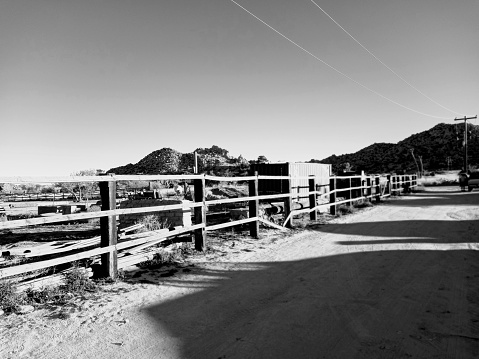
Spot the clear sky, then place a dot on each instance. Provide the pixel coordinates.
(95, 84)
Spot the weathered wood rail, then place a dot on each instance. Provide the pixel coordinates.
(121, 250)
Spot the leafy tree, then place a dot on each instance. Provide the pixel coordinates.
(262, 159)
(80, 189)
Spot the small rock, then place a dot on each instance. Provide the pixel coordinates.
(1, 312)
(25, 309)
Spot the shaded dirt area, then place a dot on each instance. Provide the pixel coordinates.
(399, 280)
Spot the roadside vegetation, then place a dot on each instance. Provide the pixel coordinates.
(75, 282)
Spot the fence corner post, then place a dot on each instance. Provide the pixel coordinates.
(332, 196)
(108, 230)
(313, 215)
(200, 213)
(254, 206)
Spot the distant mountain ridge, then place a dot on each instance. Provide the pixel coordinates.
(433, 147)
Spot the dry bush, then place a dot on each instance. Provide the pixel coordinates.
(152, 222)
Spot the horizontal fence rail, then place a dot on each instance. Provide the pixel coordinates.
(118, 249)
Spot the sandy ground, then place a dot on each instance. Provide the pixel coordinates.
(399, 280)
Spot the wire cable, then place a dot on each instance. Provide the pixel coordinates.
(382, 63)
(335, 69)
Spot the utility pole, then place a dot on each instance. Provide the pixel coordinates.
(465, 137)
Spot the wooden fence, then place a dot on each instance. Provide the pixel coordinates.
(119, 249)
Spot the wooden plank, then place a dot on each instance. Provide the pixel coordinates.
(108, 229)
(144, 234)
(138, 241)
(89, 215)
(91, 242)
(229, 179)
(271, 224)
(156, 177)
(254, 206)
(23, 268)
(54, 179)
(164, 236)
(231, 224)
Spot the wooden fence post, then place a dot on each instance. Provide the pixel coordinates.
(108, 230)
(288, 204)
(378, 189)
(349, 192)
(332, 196)
(254, 206)
(389, 185)
(313, 215)
(369, 189)
(200, 213)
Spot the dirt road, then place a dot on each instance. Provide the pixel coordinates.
(400, 280)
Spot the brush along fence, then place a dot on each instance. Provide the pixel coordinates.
(115, 249)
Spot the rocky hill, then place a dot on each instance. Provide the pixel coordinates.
(214, 160)
(433, 147)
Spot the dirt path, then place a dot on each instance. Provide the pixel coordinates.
(400, 280)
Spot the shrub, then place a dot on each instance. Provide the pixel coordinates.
(77, 281)
(345, 209)
(9, 297)
(160, 259)
(152, 223)
(363, 204)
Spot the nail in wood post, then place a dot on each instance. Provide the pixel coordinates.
(108, 230)
(200, 213)
(378, 189)
(288, 203)
(332, 196)
(313, 215)
(254, 206)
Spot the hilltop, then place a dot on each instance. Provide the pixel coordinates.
(169, 161)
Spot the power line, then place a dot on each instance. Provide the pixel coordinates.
(335, 69)
(382, 63)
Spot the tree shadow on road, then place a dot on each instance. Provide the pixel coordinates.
(415, 231)
(436, 198)
(358, 305)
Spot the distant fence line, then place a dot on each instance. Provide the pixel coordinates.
(119, 249)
